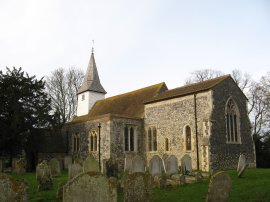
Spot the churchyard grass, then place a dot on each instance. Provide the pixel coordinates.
(253, 186)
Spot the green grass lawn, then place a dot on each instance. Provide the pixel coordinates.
(253, 186)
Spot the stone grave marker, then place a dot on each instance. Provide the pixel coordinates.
(12, 190)
(43, 176)
(241, 162)
(186, 164)
(73, 170)
(156, 166)
(67, 161)
(138, 188)
(128, 164)
(20, 166)
(242, 170)
(54, 165)
(219, 188)
(138, 164)
(90, 187)
(171, 165)
(111, 168)
(90, 165)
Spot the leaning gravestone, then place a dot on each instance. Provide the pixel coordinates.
(55, 167)
(12, 190)
(73, 170)
(67, 161)
(156, 166)
(171, 165)
(90, 165)
(219, 188)
(90, 187)
(186, 164)
(138, 188)
(43, 175)
(241, 162)
(128, 164)
(138, 164)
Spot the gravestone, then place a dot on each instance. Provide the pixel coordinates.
(219, 188)
(55, 167)
(128, 164)
(138, 164)
(90, 165)
(171, 165)
(20, 166)
(73, 170)
(111, 168)
(12, 190)
(241, 162)
(67, 162)
(138, 188)
(43, 176)
(90, 187)
(186, 164)
(156, 166)
(242, 170)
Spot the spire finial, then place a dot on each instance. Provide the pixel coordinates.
(93, 46)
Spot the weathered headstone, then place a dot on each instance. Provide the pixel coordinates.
(186, 164)
(20, 166)
(219, 188)
(138, 188)
(73, 170)
(90, 165)
(43, 175)
(138, 164)
(90, 187)
(241, 162)
(242, 170)
(111, 168)
(55, 167)
(171, 165)
(156, 166)
(67, 161)
(128, 164)
(12, 190)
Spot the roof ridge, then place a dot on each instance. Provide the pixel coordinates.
(144, 88)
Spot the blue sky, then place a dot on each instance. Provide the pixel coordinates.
(137, 43)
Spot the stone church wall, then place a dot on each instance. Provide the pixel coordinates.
(170, 118)
(225, 155)
(117, 139)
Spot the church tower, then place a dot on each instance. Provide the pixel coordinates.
(91, 89)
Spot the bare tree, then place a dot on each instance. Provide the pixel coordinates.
(202, 75)
(244, 81)
(62, 86)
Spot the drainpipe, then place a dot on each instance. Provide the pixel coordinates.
(196, 130)
(99, 145)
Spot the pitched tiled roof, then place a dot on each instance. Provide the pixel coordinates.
(91, 80)
(126, 105)
(188, 89)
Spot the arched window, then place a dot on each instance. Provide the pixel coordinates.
(126, 138)
(188, 138)
(154, 139)
(232, 122)
(129, 139)
(75, 142)
(93, 140)
(149, 139)
(166, 144)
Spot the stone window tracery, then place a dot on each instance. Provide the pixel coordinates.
(93, 140)
(75, 142)
(232, 122)
(130, 139)
(152, 139)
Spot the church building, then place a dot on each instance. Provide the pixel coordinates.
(206, 121)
